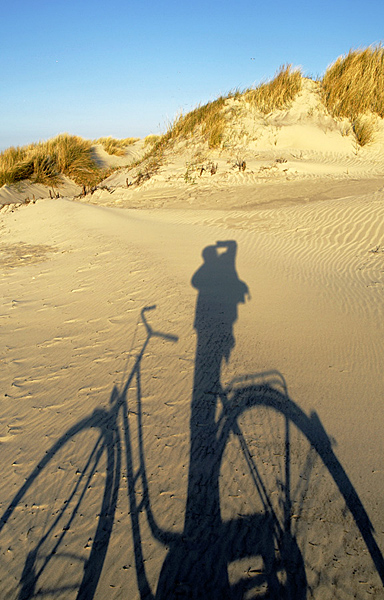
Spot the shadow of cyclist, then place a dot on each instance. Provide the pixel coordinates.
(197, 564)
(196, 567)
(220, 292)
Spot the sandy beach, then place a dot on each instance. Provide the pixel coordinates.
(183, 418)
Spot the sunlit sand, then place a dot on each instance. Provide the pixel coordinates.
(145, 455)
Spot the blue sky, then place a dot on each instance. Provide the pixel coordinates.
(125, 68)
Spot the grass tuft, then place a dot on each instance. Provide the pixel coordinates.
(277, 93)
(363, 129)
(354, 84)
(45, 162)
(151, 139)
(209, 118)
(116, 146)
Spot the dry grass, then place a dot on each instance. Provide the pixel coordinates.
(151, 139)
(45, 162)
(147, 169)
(28, 162)
(353, 87)
(209, 119)
(364, 130)
(277, 93)
(354, 84)
(153, 156)
(116, 146)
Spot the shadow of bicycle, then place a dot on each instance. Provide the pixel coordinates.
(270, 511)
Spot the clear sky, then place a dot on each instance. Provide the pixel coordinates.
(125, 68)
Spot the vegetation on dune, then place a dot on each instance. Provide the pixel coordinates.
(354, 84)
(277, 93)
(353, 87)
(153, 157)
(44, 162)
(116, 146)
(151, 139)
(364, 130)
(209, 117)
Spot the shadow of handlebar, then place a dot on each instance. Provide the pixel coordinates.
(151, 332)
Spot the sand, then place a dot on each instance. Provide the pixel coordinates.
(140, 465)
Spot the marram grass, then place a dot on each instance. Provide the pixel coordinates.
(151, 139)
(45, 162)
(364, 130)
(116, 146)
(352, 88)
(278, 93)
(354, 84)
(210, 119)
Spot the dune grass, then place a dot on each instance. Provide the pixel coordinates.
(209, 118)
(277, 93)
(151, 139)
(116, 146)
(45, 162)
(354, 84)
(364, 130)
(352, 87)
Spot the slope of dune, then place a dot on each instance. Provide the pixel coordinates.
(302, 143)
(133, 152)
(26, 191)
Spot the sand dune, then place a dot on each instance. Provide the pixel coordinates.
(133, 152)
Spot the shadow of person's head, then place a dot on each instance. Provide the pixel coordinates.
(210, 254)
